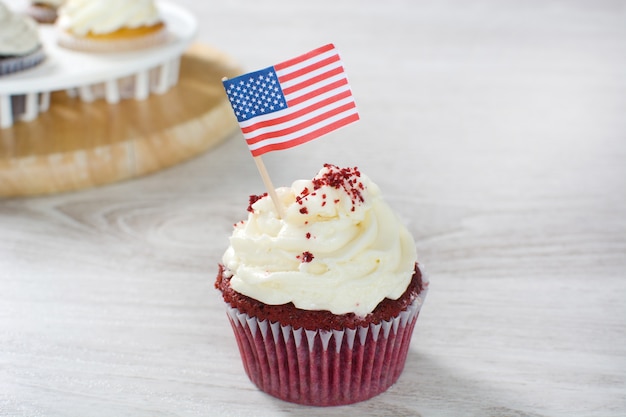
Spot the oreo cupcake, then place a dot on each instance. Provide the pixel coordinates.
(322, 302)
(20, 47)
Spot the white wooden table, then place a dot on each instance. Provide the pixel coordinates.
(497, 130)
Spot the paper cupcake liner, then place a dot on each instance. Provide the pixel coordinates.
(20, 63)
(69, 41)
(320, 367)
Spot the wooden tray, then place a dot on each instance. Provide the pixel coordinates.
(77, 145)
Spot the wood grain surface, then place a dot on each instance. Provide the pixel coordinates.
(495, 129)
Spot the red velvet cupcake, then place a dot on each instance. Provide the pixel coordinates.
(322, 302)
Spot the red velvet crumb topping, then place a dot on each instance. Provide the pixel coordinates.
(253, 199)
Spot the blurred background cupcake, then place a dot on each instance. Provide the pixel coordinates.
(110, 25)
(20, 47)
(44, 11)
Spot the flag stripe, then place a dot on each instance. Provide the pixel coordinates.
(312, 94)
(310, 81)
(305, 130)
(295, 114)
(294, 127)
(306, 137)
(299, 72)
(304, 57)
(289, 83)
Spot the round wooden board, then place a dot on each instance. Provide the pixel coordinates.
(77, 145)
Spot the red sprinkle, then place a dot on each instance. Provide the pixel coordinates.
(308, 236)
(253, 199)
(346, 178)
(306, 257)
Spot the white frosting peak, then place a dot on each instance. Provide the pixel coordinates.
(18, 34)
(105, 16)
(339, 248)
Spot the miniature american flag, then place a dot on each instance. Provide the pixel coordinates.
(292, 102)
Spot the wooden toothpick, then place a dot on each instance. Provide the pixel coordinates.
(267, 181)
(270, 188)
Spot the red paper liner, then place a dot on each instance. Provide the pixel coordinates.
(320, 367)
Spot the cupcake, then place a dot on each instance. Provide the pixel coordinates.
(323, 301)
(44, 11)
(110, 25)
(20, 47)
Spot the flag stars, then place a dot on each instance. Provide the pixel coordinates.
(257, 93)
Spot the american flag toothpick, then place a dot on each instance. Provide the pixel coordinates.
(291, 103)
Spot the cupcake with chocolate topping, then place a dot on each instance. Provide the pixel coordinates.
(323, 301)
(44, 11)
(110, 25)
(20, 47)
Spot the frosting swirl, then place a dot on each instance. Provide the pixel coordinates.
(339, 246)
(18, 34)
(105, 16)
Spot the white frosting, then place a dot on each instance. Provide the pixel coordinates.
(361, 252)
(18, 34)
(105, 16)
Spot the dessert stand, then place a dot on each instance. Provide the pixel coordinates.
(89, 76)
(91, 119)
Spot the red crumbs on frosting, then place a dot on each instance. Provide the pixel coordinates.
(346, 178)
(306, 257)
(253, 199)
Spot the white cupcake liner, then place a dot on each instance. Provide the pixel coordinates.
(320, 367)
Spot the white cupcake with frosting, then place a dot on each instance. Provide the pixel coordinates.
(20, 47)
(110, 25)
